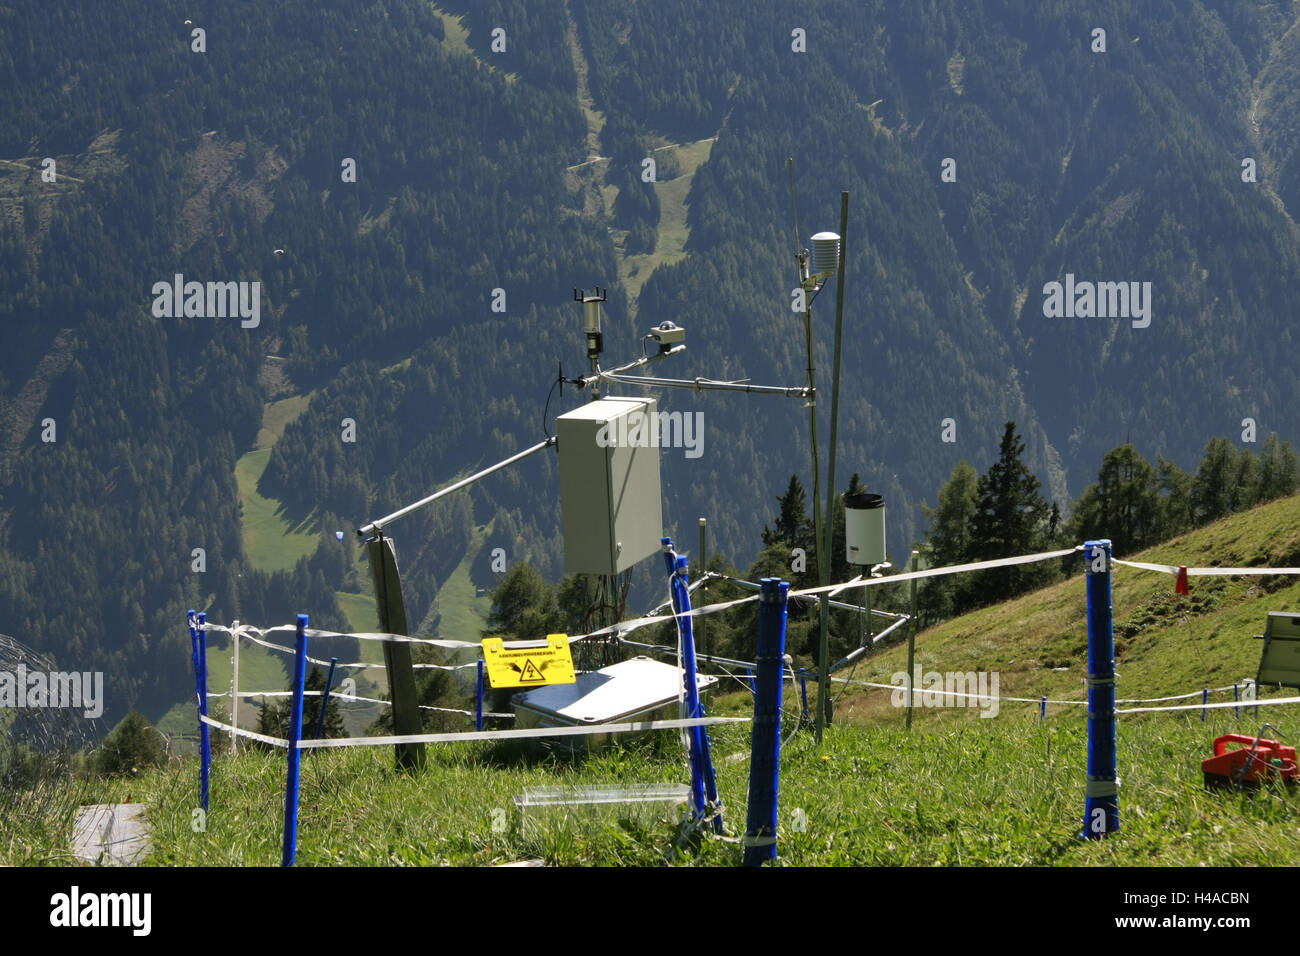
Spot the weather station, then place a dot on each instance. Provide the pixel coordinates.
(610, 488)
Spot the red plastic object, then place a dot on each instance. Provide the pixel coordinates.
(1180, 586)
(1243, 767)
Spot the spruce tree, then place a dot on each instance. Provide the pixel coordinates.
(134, 745)
(794, 527)
(1212, 488)
(311, 705)
(1124, 505)
(274, 718)
(524, 606)
(1175, 498)
(949, 539)
(1277, 470)
(1010, 519)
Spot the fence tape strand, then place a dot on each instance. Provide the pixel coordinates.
(1266, 702)
(1203, 572)
(475, 735)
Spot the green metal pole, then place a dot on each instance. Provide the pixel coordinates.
(867, 603)
(911, 643)
(823, 569)
(825, 534)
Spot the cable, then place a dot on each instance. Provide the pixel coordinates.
(546, 409)
(798, 720)
(862, 642)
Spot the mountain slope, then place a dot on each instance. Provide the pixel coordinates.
(382, 293)
(1164, 643)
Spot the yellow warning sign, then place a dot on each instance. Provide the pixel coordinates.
(528, 663)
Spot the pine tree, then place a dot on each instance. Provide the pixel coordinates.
(1277, 470)
(1175, 498)
(524, 606)
(134, 745)
(1124, 505)
(311, 705)
(1212, 488)
(274, 719)
(1245, 485)
(1010, 518)
(793, 526)
(949, 538)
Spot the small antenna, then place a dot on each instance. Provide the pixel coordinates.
(800, 252)
(789, 163)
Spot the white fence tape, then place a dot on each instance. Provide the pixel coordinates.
(627, 627)
(240, 732)
(1266, 702)
(247, 631)
(1160, 700)
(517, 734)
(355, 697)
(1039, 700)
(917, 691)
(1203, 572)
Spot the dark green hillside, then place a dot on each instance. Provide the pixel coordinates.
(521, 169)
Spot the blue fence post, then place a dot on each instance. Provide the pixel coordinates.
(1236, 695)
(295, 734)
(1101, 807)
(803, 696)
(1205, 699)
(765, 748)
(200, 701)
(325, 699)
(1042, 709)
(478, 705)
(205, 732)
(704, 785)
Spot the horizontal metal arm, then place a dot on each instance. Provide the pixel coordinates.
(379, 525)
(589, 380)
(698, 384)
(702, 384)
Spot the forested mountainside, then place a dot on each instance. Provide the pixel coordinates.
(382, 169)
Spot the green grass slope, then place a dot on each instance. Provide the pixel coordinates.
(1006, 792)
(270, 543)
(955, 790)
(461, 615)
(1164, 643)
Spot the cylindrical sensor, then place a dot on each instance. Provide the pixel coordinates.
(864, 528)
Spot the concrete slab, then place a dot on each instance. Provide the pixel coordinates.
(111, 834)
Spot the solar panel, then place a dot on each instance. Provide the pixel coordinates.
(1280, 662)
